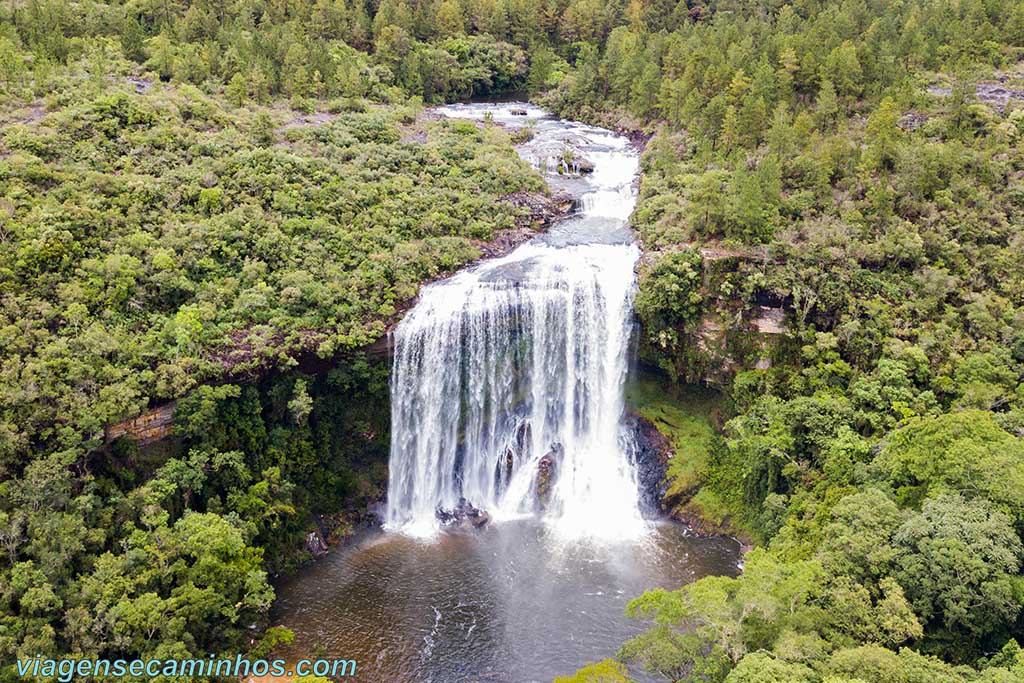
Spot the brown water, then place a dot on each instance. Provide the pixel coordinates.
(507, 604)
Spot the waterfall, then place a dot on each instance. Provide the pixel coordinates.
(516, 367)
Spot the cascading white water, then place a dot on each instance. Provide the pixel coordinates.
(518, 365)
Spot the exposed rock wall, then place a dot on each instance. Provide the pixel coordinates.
(152, 425)
(651, 451)
(732, 333)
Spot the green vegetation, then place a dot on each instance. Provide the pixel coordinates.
(606, 671)
(197, 197)
(162, 244)
(800, 165)
(195, 201)
(672, 297)
(174, 561)
(688, 415)
(164, 240)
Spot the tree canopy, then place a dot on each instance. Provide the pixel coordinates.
(201, 201)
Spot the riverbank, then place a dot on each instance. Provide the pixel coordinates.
(689, 420)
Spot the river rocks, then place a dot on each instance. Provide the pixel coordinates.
(462, 516)
(574, 164)
(547, 472)
(517, 112)
(541, 209)
(315, 544)
(521, 135)
(651, 452)
(584, 166)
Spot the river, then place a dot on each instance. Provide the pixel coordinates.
(511, 367)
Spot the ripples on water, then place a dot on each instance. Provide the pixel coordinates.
(509, 604)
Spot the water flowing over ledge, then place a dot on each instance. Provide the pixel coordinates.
(507, 386)
(507, 390)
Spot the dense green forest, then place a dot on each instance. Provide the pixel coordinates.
(196, 196)
(842, 161)
(172, 229)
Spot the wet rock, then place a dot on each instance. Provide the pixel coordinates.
(463, 516)
(517, 112)
(315, 544)
(651, 453)
(506, 463)
(520, 136)
(584, 165)
(382, 348)
(338, 527)
(480, 519)
(542, 209)
(574, 164)
(547, 472)
(503, 472)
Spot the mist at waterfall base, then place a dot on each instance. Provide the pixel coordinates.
(516, 360)
(500, 605)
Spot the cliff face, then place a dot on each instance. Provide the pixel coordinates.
(723, 345)
(651, 453)
(153, 425)
(735, 329)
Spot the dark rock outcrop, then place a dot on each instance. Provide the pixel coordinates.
(506, 463)
(462, 516)
(651, 452)
(315, 544)
(541, 209)
(547, 472)
(574, 164)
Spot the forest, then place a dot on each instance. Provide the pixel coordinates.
(199, 197)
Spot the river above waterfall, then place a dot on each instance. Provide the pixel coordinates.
(510, 368)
